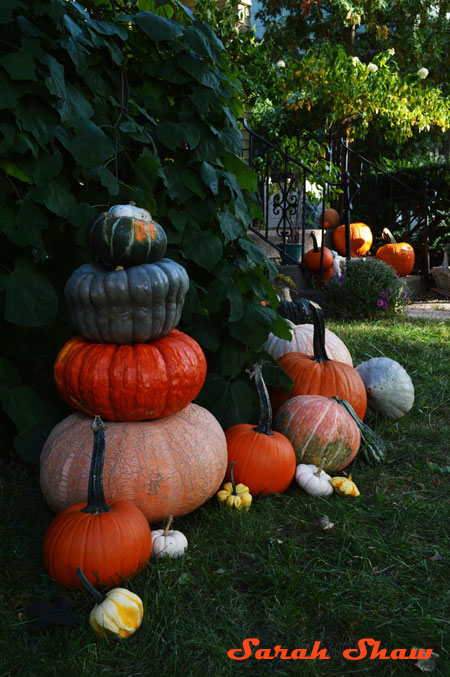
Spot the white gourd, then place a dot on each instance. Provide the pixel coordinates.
(314, 480)
(389, 388)
(168, 542)
(302, 342)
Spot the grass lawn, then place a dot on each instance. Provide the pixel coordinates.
(272, 573)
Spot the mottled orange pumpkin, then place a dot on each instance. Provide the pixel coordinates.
(131, 382)
(165, 467)
(319, 429)
(318, 375)
(361, 239)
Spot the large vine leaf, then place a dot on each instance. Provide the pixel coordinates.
(31, 300)
(230, 402)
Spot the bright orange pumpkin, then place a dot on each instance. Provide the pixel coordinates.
(165, 467)
(263, 460)
(313, 257)
(400, 255)
(361, 239)
(109, 542)
(319, 429)
(318, 375)
(132, 382)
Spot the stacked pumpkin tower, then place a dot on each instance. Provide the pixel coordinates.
(133, 368)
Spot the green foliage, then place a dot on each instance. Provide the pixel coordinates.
(367, 288)
(103, 103)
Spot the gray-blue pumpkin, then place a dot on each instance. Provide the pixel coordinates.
(127, 305)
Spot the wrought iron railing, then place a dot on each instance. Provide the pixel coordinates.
(293, 198)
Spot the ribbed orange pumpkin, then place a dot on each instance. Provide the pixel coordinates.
(319, 428)
(313, 257)
(109, 542)
(400, 255)
(133, 382)
(318, 375)
(165, 467)
(264, 460)
(361, 239)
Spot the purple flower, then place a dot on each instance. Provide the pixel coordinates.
(341, 278)
(389, 290)
(385, 305)
(380, 303)
(404, 294)
(382, 293)
(396, 276)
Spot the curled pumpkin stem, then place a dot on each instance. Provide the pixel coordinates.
(98, 596)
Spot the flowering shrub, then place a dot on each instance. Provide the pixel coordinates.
(367, 288)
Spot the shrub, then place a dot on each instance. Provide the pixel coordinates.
(367, 288)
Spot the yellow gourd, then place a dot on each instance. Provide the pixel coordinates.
(345, 486)
(118, 613)
(235, 495)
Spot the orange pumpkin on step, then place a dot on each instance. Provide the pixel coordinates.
(314, 256)
(165, 467)
(318, 375)
(361, 239)
(332, 218)
(400, 255)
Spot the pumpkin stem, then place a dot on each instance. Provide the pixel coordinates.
(168, 525)
(372, 443)
(118, 268)
(265, 410)
(315, 245)
(320, 468)
(387, 235)
(96, 594)
(96, 498)
(233, 483)
(320, 353)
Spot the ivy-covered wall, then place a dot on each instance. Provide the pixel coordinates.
(102, 103)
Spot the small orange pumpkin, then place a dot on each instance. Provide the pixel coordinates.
(400, 255)
(313, 257)
(361, 239)
(265, 460)
(109, 542)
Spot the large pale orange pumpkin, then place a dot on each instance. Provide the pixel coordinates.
(361, 239)
(319, 429)
(165, 467)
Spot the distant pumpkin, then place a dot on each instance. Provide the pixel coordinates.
(361, 239)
